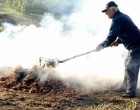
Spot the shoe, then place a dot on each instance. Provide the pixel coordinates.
(127, 95)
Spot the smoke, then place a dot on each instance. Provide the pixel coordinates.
(62, 7)
(80, 28)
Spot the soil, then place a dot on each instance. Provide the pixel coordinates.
(57, 96)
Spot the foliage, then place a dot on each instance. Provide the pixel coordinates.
(27, 6)
(2, 1)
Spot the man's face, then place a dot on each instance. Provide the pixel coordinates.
(110, 13)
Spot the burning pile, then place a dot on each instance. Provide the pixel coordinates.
(30, 81)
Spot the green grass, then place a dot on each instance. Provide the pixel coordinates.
(1, 28)
(19, 17)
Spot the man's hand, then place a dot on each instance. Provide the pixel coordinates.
(115, 43)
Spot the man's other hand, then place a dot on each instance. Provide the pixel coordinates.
(115, 43)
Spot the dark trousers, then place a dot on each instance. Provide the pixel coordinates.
(132, 65)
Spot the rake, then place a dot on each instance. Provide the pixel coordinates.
(54, 62)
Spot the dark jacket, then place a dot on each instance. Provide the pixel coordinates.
(124, 28)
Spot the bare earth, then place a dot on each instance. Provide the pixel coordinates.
(60, 97)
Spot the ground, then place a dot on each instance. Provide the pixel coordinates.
(103, 100)
(57, 96)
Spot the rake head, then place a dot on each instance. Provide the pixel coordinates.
(46, 62)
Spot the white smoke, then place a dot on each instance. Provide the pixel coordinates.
(62, 7)
(69, 35)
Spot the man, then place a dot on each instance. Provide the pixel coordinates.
(123, 30)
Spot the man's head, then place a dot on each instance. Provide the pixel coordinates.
(111, 9)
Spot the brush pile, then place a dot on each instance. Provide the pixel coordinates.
(29, 81)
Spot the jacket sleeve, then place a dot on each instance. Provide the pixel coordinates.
(113, 33)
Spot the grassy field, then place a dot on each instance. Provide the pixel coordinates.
(19, 17)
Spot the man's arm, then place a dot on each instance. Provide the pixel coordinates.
(113, 33)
